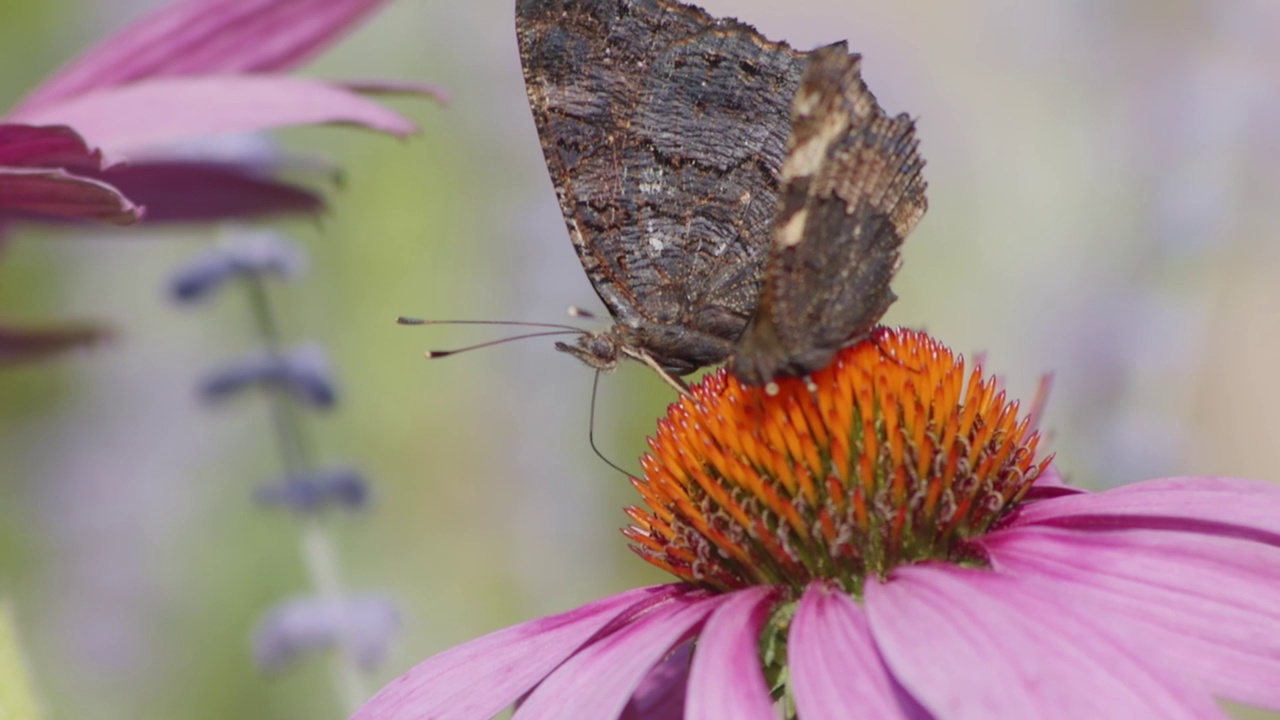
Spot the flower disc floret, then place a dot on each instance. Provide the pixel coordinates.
(891, 455)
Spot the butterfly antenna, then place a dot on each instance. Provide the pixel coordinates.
(402, 320)
(591, 428)
(435, 354)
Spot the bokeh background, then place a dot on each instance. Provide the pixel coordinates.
(1103, 175)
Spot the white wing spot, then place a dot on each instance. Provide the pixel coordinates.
(793, 231)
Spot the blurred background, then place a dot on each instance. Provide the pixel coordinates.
(1103, 182)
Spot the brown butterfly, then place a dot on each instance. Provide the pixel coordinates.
(665, 131)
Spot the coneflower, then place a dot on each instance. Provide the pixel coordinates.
(886, 539)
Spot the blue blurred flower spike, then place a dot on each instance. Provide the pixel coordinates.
(342, 487)
(245, 255)
(363, 624)
(303, 372)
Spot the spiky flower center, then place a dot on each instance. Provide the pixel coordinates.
(888, 456)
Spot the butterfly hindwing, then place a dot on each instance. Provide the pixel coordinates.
(851, 190)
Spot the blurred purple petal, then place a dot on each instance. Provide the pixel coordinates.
(377, 86)
(834, 663)
(45, 146)
(973, 644)
(205, 191)
(661, 695)
(479, 678)
(53, 191)
(155, 112)
(598, 680)
(206, 37)
(31, 344)
(1211, 604)
(726, 679)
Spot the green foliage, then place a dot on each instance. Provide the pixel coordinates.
(17, 698)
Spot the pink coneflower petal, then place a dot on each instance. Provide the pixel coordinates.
(726, 680)
(184, 192)
(663, 691)
(380, 86)
(481, 677)
(834, 663)
(970, 643)
(156, 112)
(53, 191)
(28, 344)
(1210, 505)
(207, 191)
(599, 680)
(1211, 604)
(46, 146)
(208, 36)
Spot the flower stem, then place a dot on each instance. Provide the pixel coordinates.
(319, 555)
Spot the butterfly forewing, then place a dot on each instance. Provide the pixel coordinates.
(664, 131)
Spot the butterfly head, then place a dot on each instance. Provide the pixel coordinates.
(597, 349)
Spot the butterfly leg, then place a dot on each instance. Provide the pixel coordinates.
(675, 382)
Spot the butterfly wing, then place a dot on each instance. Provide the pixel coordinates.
(664, 130)
(851, 191)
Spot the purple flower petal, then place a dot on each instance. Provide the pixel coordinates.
(205, 37)
(834, 663)
(1211, 604)
(479, 678)
(202, 191)
(598, 681)
(379, 86)
(661, 694)
(30, 344)
(976, 644)
(45, 146)
(726, 680)
(155, 112)
(53, 191)
(1226, 506)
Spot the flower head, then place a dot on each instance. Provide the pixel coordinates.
(889, 456)
(883, 540)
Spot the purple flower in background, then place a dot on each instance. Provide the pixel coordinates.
(883, 541)
(95, 140)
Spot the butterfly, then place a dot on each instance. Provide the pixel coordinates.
(729, 197)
